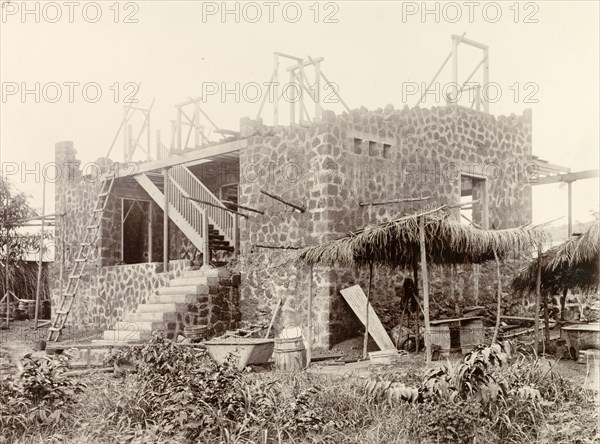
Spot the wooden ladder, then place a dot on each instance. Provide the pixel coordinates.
(85, 250)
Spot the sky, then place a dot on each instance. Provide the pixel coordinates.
(543, 56)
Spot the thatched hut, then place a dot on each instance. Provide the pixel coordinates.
(397, 244)
(429, 237)
(571, 266)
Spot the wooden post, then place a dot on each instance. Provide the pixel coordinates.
(166, 221)
(149, 136)
(158, 153)
(293, 100)
(486, 79)
(205, 240)
(275, 89)
(309, 337)
(569, 209)
(6, 266)
(130, 149)
(425, 288)
(236, 235)
(455, 67)
(366, 339)
(178, 128)
(499, 298)
(546, 320)
(150, 231)
(39, 274)
(416, 326)
(196, 117)
(62, 255)
(122, 230)
(317, 93)
(125, 135)
(538, 285)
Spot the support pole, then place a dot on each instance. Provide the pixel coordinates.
(166, 221)
(538, 285)
(150, 218)
(40, 264)
(570, 208)
(486, 79)
(455, 42)
(61, 269)
(149, 135)
(499, 298)
(7, 269)
(178, 128)
(425, 288)
(205, 240)
(416, 282)
(546, 321)
(275, 89)
(309, 338)
(158, 150)
(366, 339)
(317, 93)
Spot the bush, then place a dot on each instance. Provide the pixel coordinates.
(38, 398)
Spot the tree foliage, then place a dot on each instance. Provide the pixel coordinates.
(14, 243)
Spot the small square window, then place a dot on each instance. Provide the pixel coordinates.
(387, 150)
(372, 148)
(357, 146)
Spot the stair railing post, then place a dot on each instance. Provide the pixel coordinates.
(205, 240)
(166, 221)
(236, 235)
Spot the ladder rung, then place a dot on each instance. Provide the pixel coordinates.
(98, 210)
(62, 312)
(80, 259)
(103, 194)
(54, 329)
(75, 276)
(93, 227)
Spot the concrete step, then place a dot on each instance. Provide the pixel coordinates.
(185, 289)
(150, 317)
(206, 272)
(126, 335)
(163, 308)
(176, 299)
(193, 280)
(138, 325)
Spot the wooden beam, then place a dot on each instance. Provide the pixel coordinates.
(279, 199)
(462, 39)
(192, 156)
(569, 177)
(408, 199)
(306, 63)
(210, 204)
(241, 207)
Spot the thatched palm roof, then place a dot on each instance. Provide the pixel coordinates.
(573, 265)
(396, 243)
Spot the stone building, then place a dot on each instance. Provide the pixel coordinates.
(326, 170)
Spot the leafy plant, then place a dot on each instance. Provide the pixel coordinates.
(38, 396)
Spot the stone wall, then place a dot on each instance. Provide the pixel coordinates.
(367, 156)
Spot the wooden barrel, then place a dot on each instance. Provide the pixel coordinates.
(289, 354)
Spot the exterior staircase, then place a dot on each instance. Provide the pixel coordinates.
(196, 211)
(184, 302)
